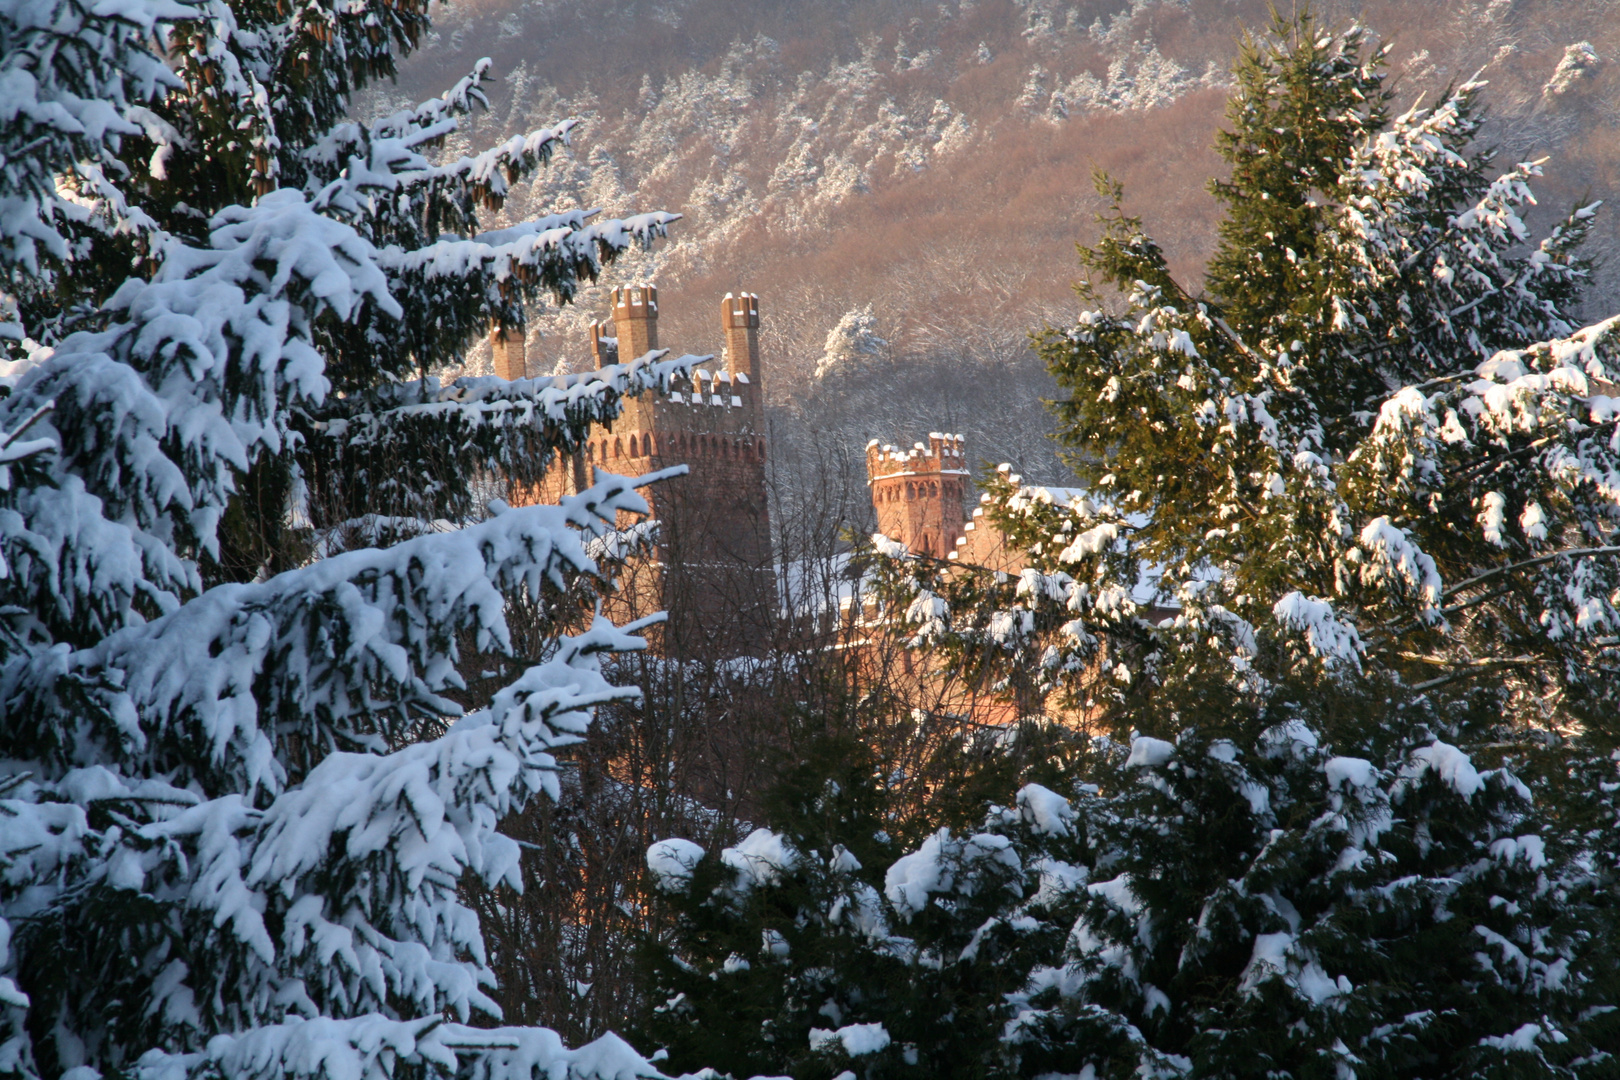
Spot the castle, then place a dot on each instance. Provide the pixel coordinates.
(918, 495)
(711, 565)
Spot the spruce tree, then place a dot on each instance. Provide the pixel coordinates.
(1338, 601)
(1374, 443)
(1197, 909)
(242, 552)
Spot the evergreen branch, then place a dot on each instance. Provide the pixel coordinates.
(1468, 472)
(1232, 336)
(1571, 553)
(29, 421)
(1385, 395)
(1469, 669)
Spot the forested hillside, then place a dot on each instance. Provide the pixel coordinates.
(933, 160)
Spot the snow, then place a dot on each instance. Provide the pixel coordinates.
(851, 344)
(671, 863)
(1095, 540)
(944, 863)
(1057, 880)
(1531, 849)
(373, 1047)
(1291, 736)
(761, 859)
(1396, 561)
(268, 743)
(911, 878)
(1524, 1038)
(1576, 64)
(1354, 772)
(208, 669)
(1048, 812)
(1492, 516)
(1332, 639)
(1149, 753)
(1276, 955)
(854, 1039)
(930, 614)
(1269, 958)
(891, 549)
(1118, 893)
(1449, 765)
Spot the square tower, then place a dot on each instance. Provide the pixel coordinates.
(712, 569)
(918, 493)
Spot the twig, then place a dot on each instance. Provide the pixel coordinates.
(1474, 667)
(1525, 565)
(33, 418)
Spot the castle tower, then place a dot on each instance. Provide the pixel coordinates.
(712, 567)
(739, 322)
(635, 318)
(507, 346)
(918, 493)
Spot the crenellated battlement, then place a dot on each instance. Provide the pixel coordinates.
(604, 344)
(941, 454)
(739, 323)
(739, 312)
(918, 493)
(635, 318)
(712, 567)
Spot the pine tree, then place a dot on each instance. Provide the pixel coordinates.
(1341, 592)
(238, 795)
(1375, 442)
(1200, 907)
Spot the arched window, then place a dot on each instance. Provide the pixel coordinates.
(590, 451)
(647, 445)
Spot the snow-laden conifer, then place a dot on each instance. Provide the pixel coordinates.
(1376, 441)
(1284, 907)
(1334, 621)
(237, 793)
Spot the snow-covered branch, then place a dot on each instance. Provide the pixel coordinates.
(348, 652)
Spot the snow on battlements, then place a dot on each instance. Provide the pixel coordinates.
(941, 454)
(918, 493)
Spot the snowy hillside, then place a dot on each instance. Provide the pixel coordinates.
(932, 160)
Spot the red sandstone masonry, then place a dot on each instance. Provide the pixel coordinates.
(918, 493)
(712, 570)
